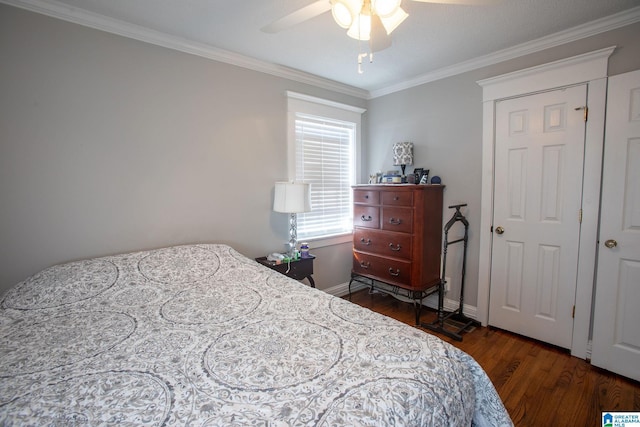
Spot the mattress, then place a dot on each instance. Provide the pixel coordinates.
(201, 335)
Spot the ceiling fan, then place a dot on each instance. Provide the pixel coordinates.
(348, 13)
(365, 20)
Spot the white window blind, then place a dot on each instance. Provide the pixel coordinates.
(324, 156)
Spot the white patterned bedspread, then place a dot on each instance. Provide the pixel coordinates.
(200, 335)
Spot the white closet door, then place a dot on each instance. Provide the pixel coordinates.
(539, 154)
(616, 331)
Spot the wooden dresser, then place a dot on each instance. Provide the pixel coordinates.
(397, 237)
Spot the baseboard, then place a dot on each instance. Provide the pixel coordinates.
(431, 301)
(342, 289)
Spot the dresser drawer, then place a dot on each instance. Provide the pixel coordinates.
(397, 198)
(387, 270)
(368, 197)
(397, 219)
(366, 216)
(384, 243)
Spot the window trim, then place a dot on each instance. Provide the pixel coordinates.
(301, 103)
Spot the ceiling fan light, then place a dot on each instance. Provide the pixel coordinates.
(361, 27)
(390, 23)
(384, 8)
(345, 11)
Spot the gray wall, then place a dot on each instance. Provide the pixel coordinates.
(444, 120)
(110, 145)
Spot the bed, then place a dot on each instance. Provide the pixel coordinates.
(201, 335)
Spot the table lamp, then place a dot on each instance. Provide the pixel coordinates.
(403, 155)
(292, 198)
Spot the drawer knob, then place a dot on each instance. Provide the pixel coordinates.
(365, 264)
(395, 221)
(396, 198)
(395, 248)
(366, 218)
(365, 242)
(395, 273)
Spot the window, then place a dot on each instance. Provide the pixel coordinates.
(323, 146)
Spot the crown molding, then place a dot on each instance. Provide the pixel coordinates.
(64, 12)
(75, 15)
(612, 22)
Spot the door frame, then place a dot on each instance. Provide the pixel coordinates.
(591, 69)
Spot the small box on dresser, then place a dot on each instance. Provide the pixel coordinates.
(397, 235)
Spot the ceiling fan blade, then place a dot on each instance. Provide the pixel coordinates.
(314, 9)
(463, 2)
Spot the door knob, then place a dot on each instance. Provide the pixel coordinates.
(611, 243)
(499, 230)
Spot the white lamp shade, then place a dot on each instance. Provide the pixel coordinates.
(344, 11)
(360, 28)
(384, 8)
(392, 21)
(292, 197)
(356, 16)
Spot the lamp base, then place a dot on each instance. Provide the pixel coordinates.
(403, 178)
(293, 235)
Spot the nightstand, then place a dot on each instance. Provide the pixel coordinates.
(299, 269)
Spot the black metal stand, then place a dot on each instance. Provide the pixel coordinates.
(457, 315)
(416, 296)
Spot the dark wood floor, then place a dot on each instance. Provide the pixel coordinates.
(540, 385)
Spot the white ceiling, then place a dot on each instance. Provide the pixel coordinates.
(435, 40)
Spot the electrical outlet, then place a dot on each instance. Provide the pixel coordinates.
(447, 284)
